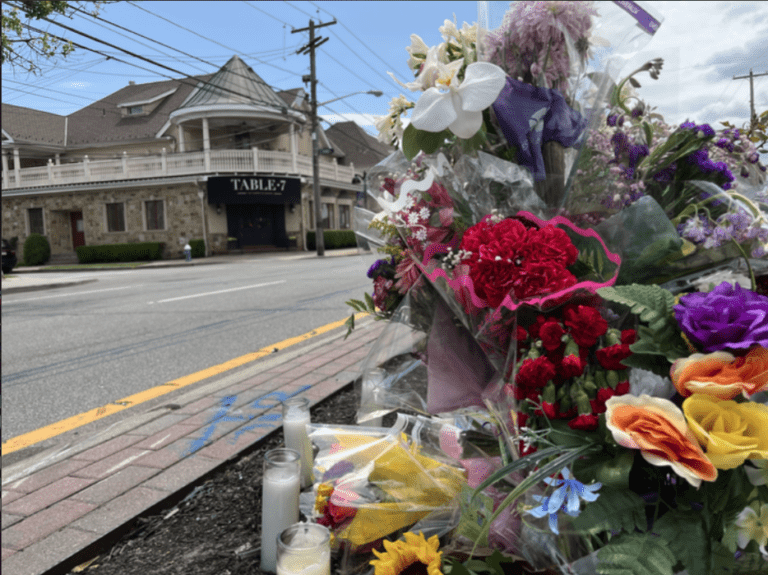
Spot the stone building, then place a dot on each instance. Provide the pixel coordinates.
(221, 157)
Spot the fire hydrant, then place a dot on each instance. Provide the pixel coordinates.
(188, 252)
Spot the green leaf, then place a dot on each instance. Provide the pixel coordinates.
(369, 301)
(615, 510)
(415, 141)
(350, 323)
(636, 554)
(648, 134)
(684, 532)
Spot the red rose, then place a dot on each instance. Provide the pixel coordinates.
(610, 357)
(628, 336)
(535, 373)
(572, 366)
(585, 323)
(584, 422)
(550, 334)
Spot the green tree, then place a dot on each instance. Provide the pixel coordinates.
(24, 47)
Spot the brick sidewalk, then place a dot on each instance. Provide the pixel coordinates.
(57, 516)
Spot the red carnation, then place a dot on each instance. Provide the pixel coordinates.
(584, 422)
(551, 333)
(550, 409)
(628, 336)
(585, 323)
(604, 394)
(597, 406)
(622, 388)
(610, 357)
(535, 373)
(572, 366)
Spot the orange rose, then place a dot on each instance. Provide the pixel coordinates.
(658, 429)
(721, 374)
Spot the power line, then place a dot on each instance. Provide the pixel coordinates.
(207, 38)
(302, 11)
(358, 39)
(267, 13)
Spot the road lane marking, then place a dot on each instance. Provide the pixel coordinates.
(68, 294)
(218, 292)
(52, 430)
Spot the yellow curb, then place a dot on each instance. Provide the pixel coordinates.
(59, 427)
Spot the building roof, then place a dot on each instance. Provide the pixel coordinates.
(103, 121)
(359, 147)
(235, 83)
(33, 126)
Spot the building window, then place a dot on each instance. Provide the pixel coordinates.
(311, 215)
(116, 217)
(133, 110)
(155, 214)
(36, 221)
(344, 221)
(327, 215)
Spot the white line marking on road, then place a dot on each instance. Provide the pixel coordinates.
(217, 292)
(68, 294)
(156, 443)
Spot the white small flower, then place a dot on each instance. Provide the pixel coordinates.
(421, 234)
(413, 219)
(459, 108)
(418, 52)
(424, 213)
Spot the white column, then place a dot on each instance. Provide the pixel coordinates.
(58, 160)
(164, 161)
(180, 131)
(49, 165)
(206, 145)
(336, 168)
(16, 167)
(255, 159)
(293, 150)
(5, 170)
(86, 169)
(124, 158)
(201, 195)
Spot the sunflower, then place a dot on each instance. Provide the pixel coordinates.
(415, 555)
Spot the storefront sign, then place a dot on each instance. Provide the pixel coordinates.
(253, 190)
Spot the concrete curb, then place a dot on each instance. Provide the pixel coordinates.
(62, 510)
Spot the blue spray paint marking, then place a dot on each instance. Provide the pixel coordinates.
(226, 405)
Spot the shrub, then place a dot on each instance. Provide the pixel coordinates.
(333, 239)
(37, 250)
(120, 252)
(198, 248)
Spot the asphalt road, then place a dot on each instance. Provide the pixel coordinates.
(69, 350)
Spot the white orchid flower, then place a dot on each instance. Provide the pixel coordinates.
(459, 106)
(408, 196)
(435, 65)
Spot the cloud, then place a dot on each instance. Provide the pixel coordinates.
(738, 60)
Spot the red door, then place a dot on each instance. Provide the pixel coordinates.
(78, 232)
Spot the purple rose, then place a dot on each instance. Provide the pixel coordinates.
(728, 317)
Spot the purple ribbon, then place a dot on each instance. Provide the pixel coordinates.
(646, 21)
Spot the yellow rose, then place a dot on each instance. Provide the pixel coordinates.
(729, 432)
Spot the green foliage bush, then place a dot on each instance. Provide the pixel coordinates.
(198, 248)
(37, 250)
(120, 252)
(333, 239)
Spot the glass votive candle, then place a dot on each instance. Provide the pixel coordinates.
(296, 435)
(304, 549)
(370, 394)
(279, 501)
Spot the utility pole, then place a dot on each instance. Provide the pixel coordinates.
(753, 115)
(310, 48)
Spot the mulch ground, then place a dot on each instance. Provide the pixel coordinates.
(215, 530)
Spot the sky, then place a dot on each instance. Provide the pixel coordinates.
(704, 45)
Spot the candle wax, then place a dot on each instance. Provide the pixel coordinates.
(280, 510)
(296, 436)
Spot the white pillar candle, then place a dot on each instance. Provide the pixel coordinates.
(370, 394)
(279, 501)
(304, 549)
(296, 435)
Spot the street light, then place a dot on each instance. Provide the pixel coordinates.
(319, 239)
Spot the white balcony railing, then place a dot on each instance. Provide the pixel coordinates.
(135, 167)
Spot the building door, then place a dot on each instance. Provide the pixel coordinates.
(78, 231)
(256, 225)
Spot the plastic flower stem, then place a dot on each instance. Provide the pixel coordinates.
(503, 450)
(553, 466)
(749, 267)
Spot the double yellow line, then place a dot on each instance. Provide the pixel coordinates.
(54, 429)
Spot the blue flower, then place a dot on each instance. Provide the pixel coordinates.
(566, 498)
